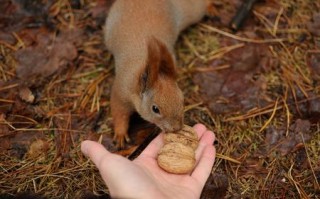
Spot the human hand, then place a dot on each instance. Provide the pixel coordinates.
(143, 178)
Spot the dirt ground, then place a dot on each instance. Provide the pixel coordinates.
(257, 88)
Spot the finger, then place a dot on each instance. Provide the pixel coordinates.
(95, 151)
(113, 168)
(204, 166)
(207, 138)
(200, 129)
(153, 148)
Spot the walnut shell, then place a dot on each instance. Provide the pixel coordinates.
(187, 136)
(176, 158)
(178, 153)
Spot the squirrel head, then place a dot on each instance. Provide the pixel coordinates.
(161, 98)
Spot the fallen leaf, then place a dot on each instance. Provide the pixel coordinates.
(313, 61)
(26, 94)
(314, 25)
(49, 54)
(240, 87)
(100, 10)
(301, 159)
(314, 110)
(300, 126)
(252, 166)
(273, 135)
(9, 95)
(216, 186)
(276, 138)
(17, 143)
(4, 128)
(7, 38)
(223, 11)
(18, 14)
(37, 148)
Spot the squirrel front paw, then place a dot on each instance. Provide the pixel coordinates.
(121, 139)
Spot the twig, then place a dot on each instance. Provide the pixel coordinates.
(242, 14)
(258, 41)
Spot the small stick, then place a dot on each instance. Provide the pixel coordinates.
(242, 14)
(145, 143)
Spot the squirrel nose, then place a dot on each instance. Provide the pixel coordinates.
(171, 127)
(177, 126)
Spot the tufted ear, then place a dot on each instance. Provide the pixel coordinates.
(159, 64)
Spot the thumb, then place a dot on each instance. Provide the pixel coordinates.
(109, 165)
(95, 151)
(113, 168)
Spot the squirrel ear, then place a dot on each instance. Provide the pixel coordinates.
(166, 64)
(159, 62)
(151, 71)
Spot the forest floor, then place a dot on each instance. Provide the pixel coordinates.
(258, 89)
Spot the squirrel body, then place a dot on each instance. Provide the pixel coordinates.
(141, 35)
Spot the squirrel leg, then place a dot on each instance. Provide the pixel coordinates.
(121, 116)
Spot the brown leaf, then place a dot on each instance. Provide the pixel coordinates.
(37, 148)
(26, 94)
(252, 166)
(18, 143)
(314, 25)
(300, 126)
(23, 115)
(240, 87)
(216, 186)
(301, 159)
(7, 38)
(276, 138)
(100, 10)
(4, 128)
(273, 135)
(48, 55)
(313, 61)
(223, 11)
(18, 14)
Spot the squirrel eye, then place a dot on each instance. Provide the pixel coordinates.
(155, 109)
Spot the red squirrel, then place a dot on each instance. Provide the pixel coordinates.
(141, 35)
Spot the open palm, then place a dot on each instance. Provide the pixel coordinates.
(143, 178)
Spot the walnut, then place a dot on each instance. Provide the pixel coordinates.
(178, 153)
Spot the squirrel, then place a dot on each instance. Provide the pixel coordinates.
(141, 35)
